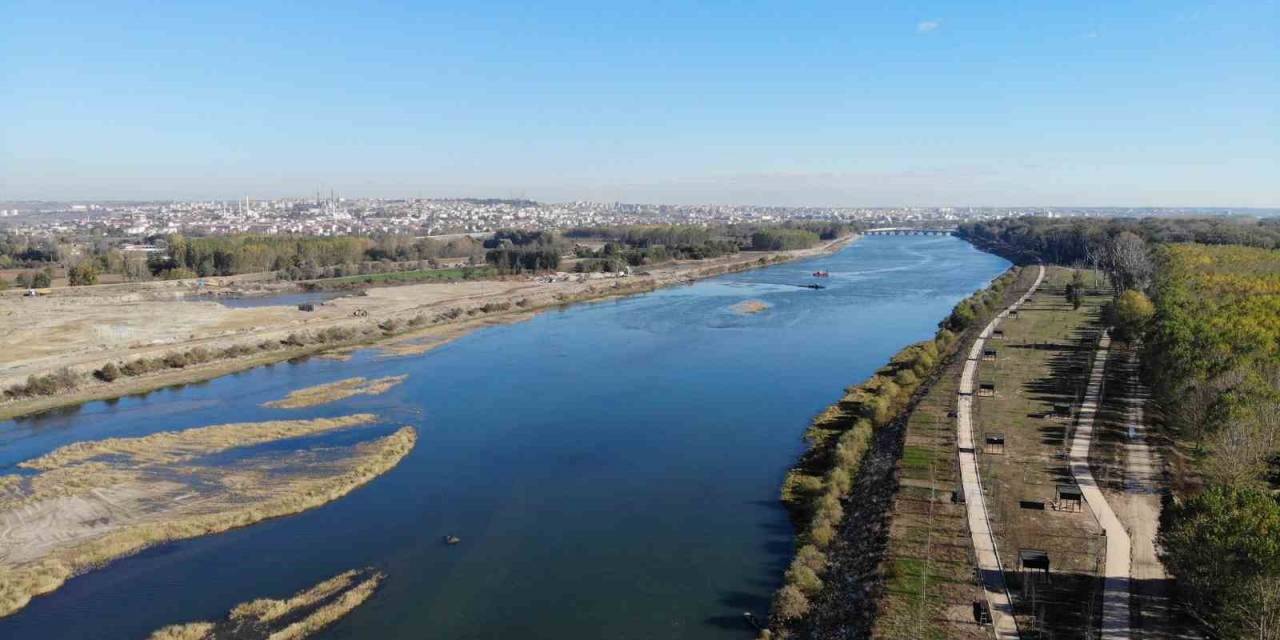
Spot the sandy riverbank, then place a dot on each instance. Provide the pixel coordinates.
(84, 330)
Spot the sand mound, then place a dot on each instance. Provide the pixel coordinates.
(750, 306)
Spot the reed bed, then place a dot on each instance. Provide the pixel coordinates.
(264, 618)
(335, 391)
(217, 507)
(178, 446)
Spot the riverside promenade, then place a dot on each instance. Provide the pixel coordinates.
(985, 549)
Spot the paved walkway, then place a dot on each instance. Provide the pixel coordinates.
(984, 543)
(1116, 568)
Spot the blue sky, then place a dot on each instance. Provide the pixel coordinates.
(791, 103)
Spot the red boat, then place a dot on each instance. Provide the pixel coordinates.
(821, 274)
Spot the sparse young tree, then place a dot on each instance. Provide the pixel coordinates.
(1075, 290)
(42, 279)
(1242, 449)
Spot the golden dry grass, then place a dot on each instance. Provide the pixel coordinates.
(330, 613)
(340, 355)
(268, 609)
(189, 631)
(322, 604)
(750, 306)
(178, 446)
(138, 502)
(335, 391)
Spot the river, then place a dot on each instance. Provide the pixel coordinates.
(612, 469)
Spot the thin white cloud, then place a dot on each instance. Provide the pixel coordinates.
(926, 26)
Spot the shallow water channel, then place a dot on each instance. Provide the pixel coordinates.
(612, 469)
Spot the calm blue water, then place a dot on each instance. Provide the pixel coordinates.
(612, 469)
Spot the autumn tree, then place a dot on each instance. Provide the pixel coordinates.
(1132, 313)
(82, 274)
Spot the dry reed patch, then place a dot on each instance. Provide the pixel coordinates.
(341, 355)
(319, 606)
(179, 446)
(70, 520)
(335, 391)
(330, 613)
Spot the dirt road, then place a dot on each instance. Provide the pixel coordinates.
(1116, 579)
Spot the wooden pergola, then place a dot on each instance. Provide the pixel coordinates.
(994, 444)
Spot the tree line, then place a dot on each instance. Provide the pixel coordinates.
(296, 257)
(1076, 240)
(639, 245)
(24, 251)
(1212, 355)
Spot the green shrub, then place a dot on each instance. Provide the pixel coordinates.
(790, 603)
(811, 557)
(821, 534)
(804, 578)
(108, 373)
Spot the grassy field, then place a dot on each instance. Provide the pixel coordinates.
(930, 583)
(1042, 363)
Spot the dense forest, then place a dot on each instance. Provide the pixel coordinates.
(1212, 354)
(1075, 240)
(1200, 298)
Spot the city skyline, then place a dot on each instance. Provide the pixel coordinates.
(942, 104)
